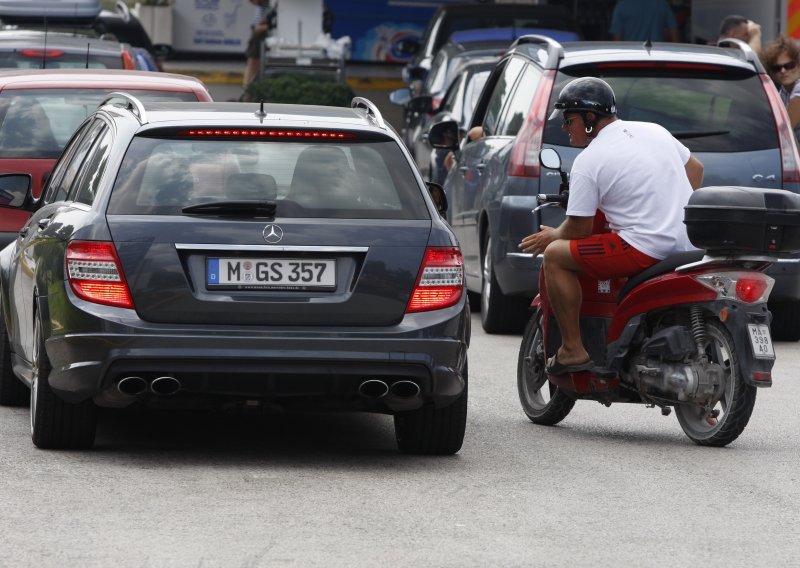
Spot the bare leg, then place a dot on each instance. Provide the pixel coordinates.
(250, 70)
(564, 293)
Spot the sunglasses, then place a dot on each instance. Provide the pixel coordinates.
(787, 66)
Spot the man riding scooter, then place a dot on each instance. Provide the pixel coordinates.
(640, 177)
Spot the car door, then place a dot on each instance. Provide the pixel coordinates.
(39, 254)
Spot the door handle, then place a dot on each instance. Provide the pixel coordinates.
(480, 166)
(462, 169)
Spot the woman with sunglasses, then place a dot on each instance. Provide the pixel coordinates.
(781, 60)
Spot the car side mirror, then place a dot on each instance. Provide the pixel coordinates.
(444, 135)
(438, 196)
(400, 97)
(15, 190)
(550, 159)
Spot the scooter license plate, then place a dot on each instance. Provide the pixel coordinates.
(761, 341)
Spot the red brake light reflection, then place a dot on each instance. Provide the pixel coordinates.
(266, 133)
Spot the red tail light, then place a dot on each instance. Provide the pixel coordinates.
(789, 157)
(95, 274)
(751, 289)
(440, 283)
(127, 60)
(525, 155)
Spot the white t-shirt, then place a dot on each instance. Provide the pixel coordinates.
(634, 173)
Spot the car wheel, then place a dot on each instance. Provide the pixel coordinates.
(785, 321)
(433, 431)
(499, 313)
(55, 423)
(13, 392)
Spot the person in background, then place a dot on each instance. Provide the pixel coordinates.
(739, 27)
(781, 59)
(259, 27)
(642, 20)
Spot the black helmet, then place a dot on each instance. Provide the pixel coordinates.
(587, 94)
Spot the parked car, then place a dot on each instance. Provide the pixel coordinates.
(451, 18)
(316, 274)
(40, 109)
(717, 100)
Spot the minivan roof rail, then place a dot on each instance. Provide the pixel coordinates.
(128, 102)
(554, 50)
(749, 54)
(371, 109)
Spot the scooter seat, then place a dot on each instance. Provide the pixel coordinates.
(667, 265)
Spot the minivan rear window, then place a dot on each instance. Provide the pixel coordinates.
(365, 179)
(724, 111)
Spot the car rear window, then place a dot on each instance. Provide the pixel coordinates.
(709, 110)
(368, 179)
(37, 123)
(33, 59)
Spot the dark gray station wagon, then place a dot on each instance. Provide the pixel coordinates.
(202, 253)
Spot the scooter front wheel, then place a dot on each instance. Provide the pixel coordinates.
(737, 401)
(542, 402)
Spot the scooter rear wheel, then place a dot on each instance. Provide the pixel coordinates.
(737, 401)
(542, 402)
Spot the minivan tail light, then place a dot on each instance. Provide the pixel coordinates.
(95, 274)
(440, 283)
(790, 161)
(525, 154)
(127, 60)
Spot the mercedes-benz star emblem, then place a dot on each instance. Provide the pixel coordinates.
(272, 234)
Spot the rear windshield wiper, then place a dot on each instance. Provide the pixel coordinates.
(699, 133)
(252, 208)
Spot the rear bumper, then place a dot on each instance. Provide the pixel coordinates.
(300, 366)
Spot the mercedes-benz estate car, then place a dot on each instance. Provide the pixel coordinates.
(717, 100)
(234, 253)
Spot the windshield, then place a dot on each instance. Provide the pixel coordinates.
(725, 111)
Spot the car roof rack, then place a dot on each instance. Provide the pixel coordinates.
(749, 55)
(128, 102)
(370, 108)
(554, 50)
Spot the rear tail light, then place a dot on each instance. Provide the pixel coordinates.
(525, 154)
(748, 287)
(127, 60)
(790, 160)
(440, 283)
(95, 274)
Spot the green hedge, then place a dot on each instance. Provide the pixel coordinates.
(299, 89)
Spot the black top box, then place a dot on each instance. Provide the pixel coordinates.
(728, 219)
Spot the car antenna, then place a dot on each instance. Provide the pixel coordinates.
(648, 45)
(261, 114)
(44, 51)
(87, 53)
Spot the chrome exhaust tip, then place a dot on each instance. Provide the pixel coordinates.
(165, 385)
(405, 389)
(132, 386)
(373, 388)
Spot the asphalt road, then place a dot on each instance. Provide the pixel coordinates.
(619, 486)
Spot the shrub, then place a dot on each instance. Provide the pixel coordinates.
(299, 89)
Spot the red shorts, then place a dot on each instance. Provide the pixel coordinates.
(606, 256)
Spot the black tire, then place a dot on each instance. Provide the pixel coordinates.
(433, 431)
(736, 404)
(785, 321)
(542, 402)
(13, 392)
(56, 424)
(499, 313)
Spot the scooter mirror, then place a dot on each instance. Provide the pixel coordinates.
(550, 159)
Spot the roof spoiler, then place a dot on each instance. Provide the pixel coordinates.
(749, 54)
(553, 49)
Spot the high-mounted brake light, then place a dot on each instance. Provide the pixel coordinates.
(790, 160)
(39, 53)
(266, 133)
(440, 283)
(748, 287)
(658, 65)
(95, 274)
(525, 154)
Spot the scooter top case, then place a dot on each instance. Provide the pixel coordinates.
(743, 220)
(34, 11)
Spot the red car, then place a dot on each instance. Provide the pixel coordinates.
(40, 109)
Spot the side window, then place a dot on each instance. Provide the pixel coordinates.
(60, 168)
(86, 188)
(520, 103)
(502, 90)
(60, 188)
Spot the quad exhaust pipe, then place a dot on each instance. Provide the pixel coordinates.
(135, 386)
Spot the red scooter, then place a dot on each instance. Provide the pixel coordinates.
(689, 333)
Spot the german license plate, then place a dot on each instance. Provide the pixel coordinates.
(261, 273)
(761, 341)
